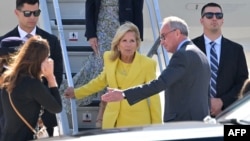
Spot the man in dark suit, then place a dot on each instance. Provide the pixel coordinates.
(185, 79)
(27, 12)
(232, 67)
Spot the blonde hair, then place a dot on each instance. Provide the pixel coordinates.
(121, 31)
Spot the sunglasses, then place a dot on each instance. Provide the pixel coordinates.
(210, 15)
(36, 13)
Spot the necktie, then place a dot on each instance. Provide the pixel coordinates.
(214, 69)
(28, 36)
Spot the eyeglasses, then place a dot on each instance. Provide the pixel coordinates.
(36, 13)
(210, 15)
(163, 35)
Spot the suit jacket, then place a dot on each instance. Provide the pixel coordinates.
(232, 70)
(56, 55)
(129, 10)
(185, 81)
(120, 114)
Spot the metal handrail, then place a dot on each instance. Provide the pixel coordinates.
(62, 117)
(155, 16)
(154, 49)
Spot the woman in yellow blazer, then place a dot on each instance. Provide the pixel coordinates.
(124, 67)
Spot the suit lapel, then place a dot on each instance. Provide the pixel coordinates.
(111, 71)
(39, 31)
(201, 44)
(223, 54)
(15, 32)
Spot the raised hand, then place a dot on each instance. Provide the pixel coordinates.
(47, 70)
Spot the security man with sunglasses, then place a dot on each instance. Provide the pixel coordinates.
(27, 13)
(227, 59)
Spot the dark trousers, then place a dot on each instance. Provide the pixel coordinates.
(50, 131)
(49, 121)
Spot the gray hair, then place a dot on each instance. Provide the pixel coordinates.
(176, 23)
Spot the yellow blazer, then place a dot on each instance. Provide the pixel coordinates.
(121, 114)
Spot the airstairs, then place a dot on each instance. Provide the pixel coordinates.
(66, 20)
